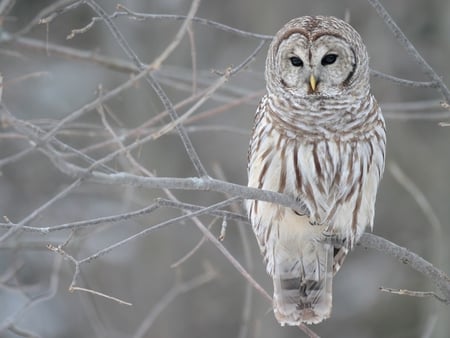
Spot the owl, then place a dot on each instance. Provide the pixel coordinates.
(318, 136)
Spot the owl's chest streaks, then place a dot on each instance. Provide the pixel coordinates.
(327, 175)
(344, 118)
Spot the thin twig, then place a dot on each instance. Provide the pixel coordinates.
(438, 277)
(426, 116)
(97, 293)
(177, 122)
(38, 211)
(169, 297)
(23, 332)
(151, 229)
(411, 293)
(403, 82)
(409, 106)
(142, 16)
(5, 7)
(191, 252)
(87, 223)
(426, 208)
(191, 36)
(47, 14)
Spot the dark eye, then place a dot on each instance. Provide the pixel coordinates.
(296, 61)
(329, 59)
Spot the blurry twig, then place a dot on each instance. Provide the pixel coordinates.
(438, 277)
(424, 205)
(153, 228)
(193, 250)
(19, 226)
(427, 116)
(411, 105)
(73, 287)
(5, 7)
(97, 293)
(82, 224)
(429, 326)
(49, 13)
(83, 29)
(178, 121)
(191, 36)
(50, 292)
(74, 53)
(403, 82)
(169, 297)
(145, 16)
(22, 332)
(413, 293)
(191, 207)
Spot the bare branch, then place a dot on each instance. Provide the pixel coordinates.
(438, 277)
(411, 293)
(49, 13)
(192, 183)
(403, 82)
(145, 16)
(194, 249)
(97, 293)
(156, 227)
(151, 80)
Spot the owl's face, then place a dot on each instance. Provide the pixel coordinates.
(317, 57)
(319, 67)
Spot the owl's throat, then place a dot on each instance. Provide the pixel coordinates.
(322, 117)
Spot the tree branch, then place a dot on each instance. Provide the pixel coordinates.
(438, 277)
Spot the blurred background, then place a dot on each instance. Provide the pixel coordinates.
(204, 296)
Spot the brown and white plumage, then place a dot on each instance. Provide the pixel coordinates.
(318, 136)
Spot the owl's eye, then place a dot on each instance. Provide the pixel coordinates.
(296, 61)
(329, 59)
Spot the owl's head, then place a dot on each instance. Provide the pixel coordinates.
(317, 56)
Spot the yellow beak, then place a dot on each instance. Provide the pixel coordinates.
(312, 82)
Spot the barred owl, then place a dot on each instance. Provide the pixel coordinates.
(319, 136)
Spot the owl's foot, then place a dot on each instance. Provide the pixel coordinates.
(333, 239)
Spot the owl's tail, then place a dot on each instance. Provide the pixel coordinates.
(303, 284)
